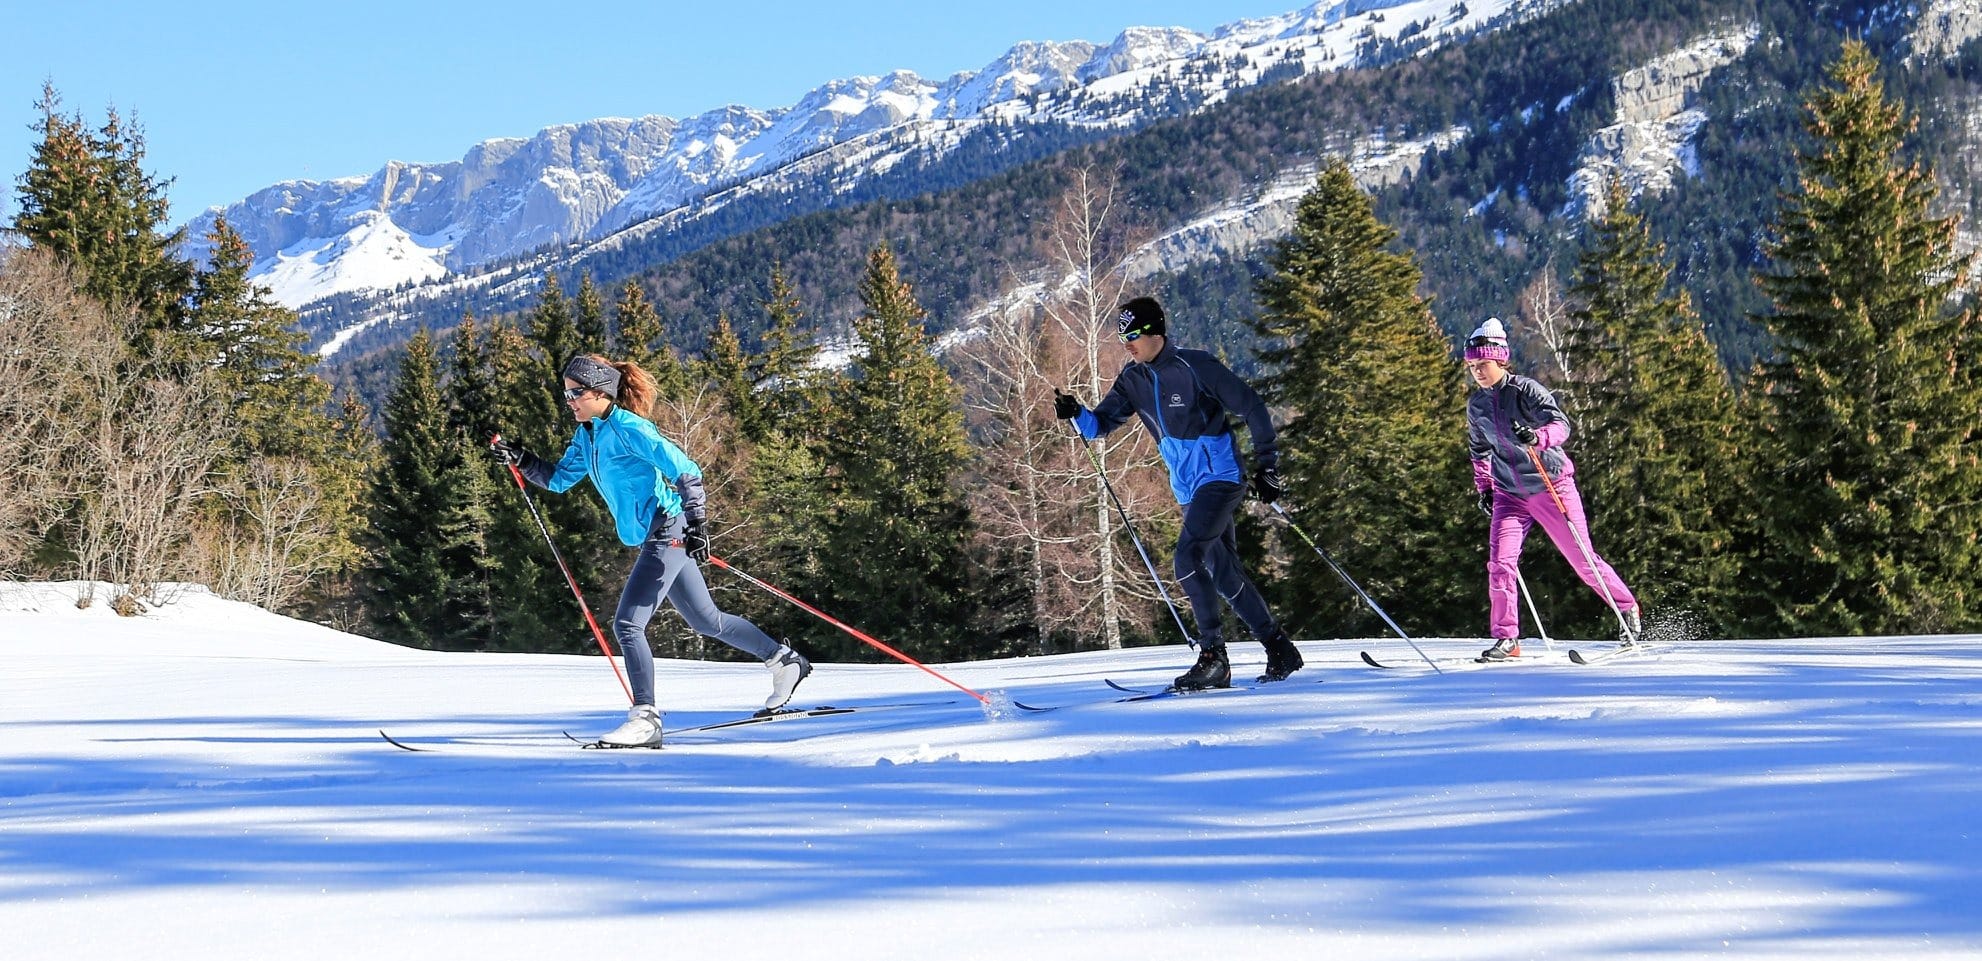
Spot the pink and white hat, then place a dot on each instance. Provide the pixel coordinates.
(1489, 342)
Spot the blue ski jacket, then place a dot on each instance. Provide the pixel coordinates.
(644, 478)
(1183, 397)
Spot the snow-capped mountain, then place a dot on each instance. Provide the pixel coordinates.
(584, 183)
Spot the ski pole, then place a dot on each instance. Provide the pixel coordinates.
(822, 615)
(1589, 553)
(1530, 598)
(1346, 579)
(1131, 528)
(597, 634)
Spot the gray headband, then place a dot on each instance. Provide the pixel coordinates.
(593, 375)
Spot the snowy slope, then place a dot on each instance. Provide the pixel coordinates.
(207, 781)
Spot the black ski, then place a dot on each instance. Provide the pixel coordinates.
(1451, 661)
(765, 717)
(1602, 656)
(1168, 691)
(761, 717)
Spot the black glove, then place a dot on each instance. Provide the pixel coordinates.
(1525, 434)
(1486, 502)
(1267, 485)
(1065, 406)
(505, 452)
(695, 540)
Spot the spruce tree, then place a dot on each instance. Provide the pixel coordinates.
(893, 454)
(786, 378)
(640, 337)
(87, 197)
(588, 324)
(1872, 491)
(410, 583)
(1374, 445)
(559, 330)
(1655, 431)
(727, 366)
(278, 404)
(534, 610)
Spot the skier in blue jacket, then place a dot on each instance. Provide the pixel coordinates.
(1183, 397)
(654, 492)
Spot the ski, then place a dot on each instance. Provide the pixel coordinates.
(492, 741)
(1451, 661)
(1598, 657)
(761, 717)
(1169, 691)
(766, 717)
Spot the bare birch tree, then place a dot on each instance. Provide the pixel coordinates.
(1545, 322)
(1048, 502)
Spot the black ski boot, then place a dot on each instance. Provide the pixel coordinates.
(1634, 628)
(1211, 670)
(1501, 650)
(1282, 658)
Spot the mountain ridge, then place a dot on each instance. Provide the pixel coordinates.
(582, 182)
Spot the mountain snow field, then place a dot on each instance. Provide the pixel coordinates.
(208, 781)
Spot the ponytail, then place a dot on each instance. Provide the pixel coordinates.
(636, 388)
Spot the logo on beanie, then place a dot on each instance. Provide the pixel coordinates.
(1126, 322)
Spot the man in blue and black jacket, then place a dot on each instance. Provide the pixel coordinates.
(1183, 397)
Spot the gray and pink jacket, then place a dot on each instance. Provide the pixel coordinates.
(1499, 461)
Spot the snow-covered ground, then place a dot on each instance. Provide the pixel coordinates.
(207, 781)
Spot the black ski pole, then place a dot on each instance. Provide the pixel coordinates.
(1346, 579)
(1131, 528)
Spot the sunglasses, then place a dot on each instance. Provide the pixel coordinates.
(575, 393)
(1131, 337)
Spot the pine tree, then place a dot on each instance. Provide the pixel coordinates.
(87, 197)
(471, 391)
(1655, 431)
(533, 609)
(1374, 450)
(278, 404)
(411, 579)
(578, 519)
(589, 324)
(1870, 503)
(727, 365)
(893, 454)
(786, 378)
(641, 338)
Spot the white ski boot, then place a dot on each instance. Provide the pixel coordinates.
(788, 668)
(642, 729)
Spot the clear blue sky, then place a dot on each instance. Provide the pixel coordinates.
(236, 96)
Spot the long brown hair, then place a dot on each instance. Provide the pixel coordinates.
(636, 387)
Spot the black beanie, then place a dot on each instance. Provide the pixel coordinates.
(1141, 316)
(593, 375)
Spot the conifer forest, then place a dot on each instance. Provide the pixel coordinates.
(1771, 371)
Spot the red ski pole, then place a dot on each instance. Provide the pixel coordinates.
(822, 615)
(597, 634)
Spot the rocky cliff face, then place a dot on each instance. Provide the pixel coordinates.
(1649, 144)
(1944, 26)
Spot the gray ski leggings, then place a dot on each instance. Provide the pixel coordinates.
(1207, 563)
(664, 571)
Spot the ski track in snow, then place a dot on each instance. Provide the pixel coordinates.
(207, 781)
